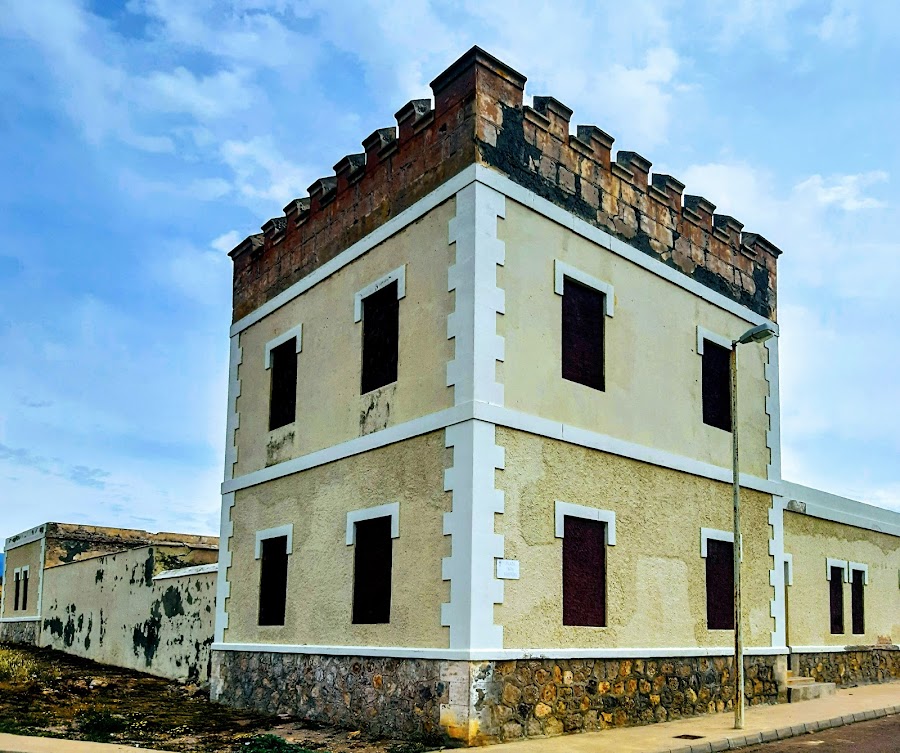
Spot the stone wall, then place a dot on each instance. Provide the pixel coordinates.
(21, 631)
(859, 666)
(383, 696)
(417, 698)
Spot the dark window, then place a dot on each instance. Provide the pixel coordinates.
(583, 312)
(283, 403)
(273, 581)
(584, 572)
(836, 600)
(17, 587)
(857, 605)
(24, 589)
(372, 571)
(381, 329)
(716, 385)
(719, 585)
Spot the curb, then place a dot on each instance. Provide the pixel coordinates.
(782, 733)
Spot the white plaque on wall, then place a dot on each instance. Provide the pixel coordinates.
(508, 569)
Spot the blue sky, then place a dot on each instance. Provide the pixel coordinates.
(140, 140)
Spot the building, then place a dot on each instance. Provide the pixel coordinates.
(119, 596)
(478, 470)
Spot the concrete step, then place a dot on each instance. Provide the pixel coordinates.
(795, 681)
(809, 691)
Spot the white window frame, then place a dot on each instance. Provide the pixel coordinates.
(397, 275)
(863, 568)
(713, 337)
(561, 270)
(283, 338)
(588, 513)
(21, 572)
(390, 510)
(831, 562)
(717, 535)
(274, 533)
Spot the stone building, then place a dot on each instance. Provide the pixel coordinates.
(119, 596)
(478, 470)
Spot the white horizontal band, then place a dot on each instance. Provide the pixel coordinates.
(185, 572)
(499, 654)
(19, 619)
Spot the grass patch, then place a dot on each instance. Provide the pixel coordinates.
(270, 744)
(16, 667)
(99, 725)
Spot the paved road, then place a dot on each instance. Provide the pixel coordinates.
(878, 736)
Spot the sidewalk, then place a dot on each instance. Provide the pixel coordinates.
(761, 724)
(22, 744)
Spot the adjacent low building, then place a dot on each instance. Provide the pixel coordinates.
(478, 470)
(119, 596)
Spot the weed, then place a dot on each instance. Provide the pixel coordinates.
(16, 667)
(99, 725)
(270, 744)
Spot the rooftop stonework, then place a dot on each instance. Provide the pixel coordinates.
(479, 117)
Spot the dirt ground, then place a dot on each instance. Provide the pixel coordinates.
(51, 694)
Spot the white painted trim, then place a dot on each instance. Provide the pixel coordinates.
(397, 275)
(588, 513)
(777, 606)
(820, 504)
(830, 562)
(283, 338)
(862, 568)
(561, 270)
(390, 510)
(773, 410)
(713, 337)
(223, 586)
(473, 277)
(273, 533)
(529, 199)
(507, 418)
(41, 570)
(788, 559)
(233, 421)
(26, 537)
(362, 246)
(714, 533)
(833, 649)
(474, 587)
(20, 619)
(397, 433)
(403, 652)
(185, 572)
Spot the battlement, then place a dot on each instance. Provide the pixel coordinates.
(479, 117)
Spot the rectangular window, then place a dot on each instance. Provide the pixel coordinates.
(18, 584)
(584, 572)
(381, 338)
(372, 571)
(716, 385)
(583, 313)
(24, 588)
(273, 580)
(283, 401)
(857, 605)
(719, 585)
(836, 600)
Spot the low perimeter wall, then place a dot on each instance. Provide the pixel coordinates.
(21, 631)
(487, 702)
(115, 609)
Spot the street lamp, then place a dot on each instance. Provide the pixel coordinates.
(757, 334)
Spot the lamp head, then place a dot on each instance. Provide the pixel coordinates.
(758, 334)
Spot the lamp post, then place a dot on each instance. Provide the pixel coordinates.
(758, 334)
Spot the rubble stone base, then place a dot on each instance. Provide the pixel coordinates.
(491, 701)
(860, 665)
(25, 631)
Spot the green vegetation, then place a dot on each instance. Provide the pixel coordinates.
(16, 667)
(270, 744)
(99, 725)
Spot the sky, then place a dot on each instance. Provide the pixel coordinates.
(140, 140)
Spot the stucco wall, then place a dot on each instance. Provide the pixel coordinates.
(656, 578)
(330, 408)
(653, 372)
(811, 541)
(110, 609)
(320, 569)
(26, 555)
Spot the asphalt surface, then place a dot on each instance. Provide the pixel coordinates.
(878, 736)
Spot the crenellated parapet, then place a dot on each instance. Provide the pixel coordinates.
(479, 117)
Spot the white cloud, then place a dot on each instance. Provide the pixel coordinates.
(843, 191)
(262, 172)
